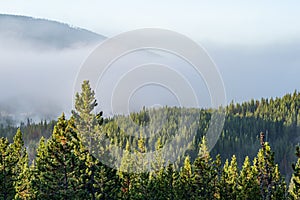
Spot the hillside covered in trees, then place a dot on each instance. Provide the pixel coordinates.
(68, 162)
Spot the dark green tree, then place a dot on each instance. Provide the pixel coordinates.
(248, 186)
(295, 182)
(271, 183)
(23, 185)
(204, 176)
(229, 180)
(87, 122)
(185, 191)
(7, 166)
(59, 170)
(11, 164)
(101, 180)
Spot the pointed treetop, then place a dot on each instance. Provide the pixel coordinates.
(18, 142)
(187, 165)
(203, 150)
(85, 102)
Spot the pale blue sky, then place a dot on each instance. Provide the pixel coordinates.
(231, 22)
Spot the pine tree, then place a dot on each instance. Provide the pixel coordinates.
(157, 181)
(101, 182)
(158, 161)
(157, 184)
(271, 183)
(229, 180)
(165, 184)
(295, 182)
(248, 186)
(203, 180)
(100, 179)
(37, 178)
(7, 165)
(186, 180)
(12, 159)
(171, 179)
(125, 173)
(59, 170)
(22, 180)
(140, 176)
(86, 122)
(23, 185)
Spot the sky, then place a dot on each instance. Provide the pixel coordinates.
(254, 44)
(231, 22)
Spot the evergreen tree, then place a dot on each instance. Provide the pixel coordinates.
(229, 180)
(203, 180)
(186, 180)
(86, 122)
(37, 178)
(171, 182)
(166, 184)
(271, 183)
(11, 164)
(157, 184)
(23, 183)
(101, 182)
(7, 166)
(99, 178)
(140, 175)
(295, 182)
(248, 187)
(125, 173)
(59, 169)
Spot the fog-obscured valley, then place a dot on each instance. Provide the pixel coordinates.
(40, 60)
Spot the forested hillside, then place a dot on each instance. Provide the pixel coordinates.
(244, 164)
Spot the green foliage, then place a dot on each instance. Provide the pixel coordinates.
(86, 121)
(101, 181)
(7, 167)
(271, 183)
(13, 157)
(205, 175)
(185, 180)
(248, 185)
(229, 180)
(69, 164)
(59, 171)
(295, 182)
(23, 184)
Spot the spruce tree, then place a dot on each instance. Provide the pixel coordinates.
(271, 183)
(23, 184)
(185, 191)
(203, 180)
(101, 182)
(99, 178)
(125, 173)
(140, 175)
(59, 170)
(248, 186)
(295, 182)
(229, 180)
(7, 166)
(86, 122)
(11, 164)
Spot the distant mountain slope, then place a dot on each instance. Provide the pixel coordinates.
(45, 33)
(45, 55)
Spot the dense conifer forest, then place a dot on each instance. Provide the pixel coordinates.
(256, 157)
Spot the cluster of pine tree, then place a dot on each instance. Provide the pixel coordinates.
(64, 169)
(65, 166)
(279, 118)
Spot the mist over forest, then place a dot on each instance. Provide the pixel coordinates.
(40, 60)
(65, 139)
